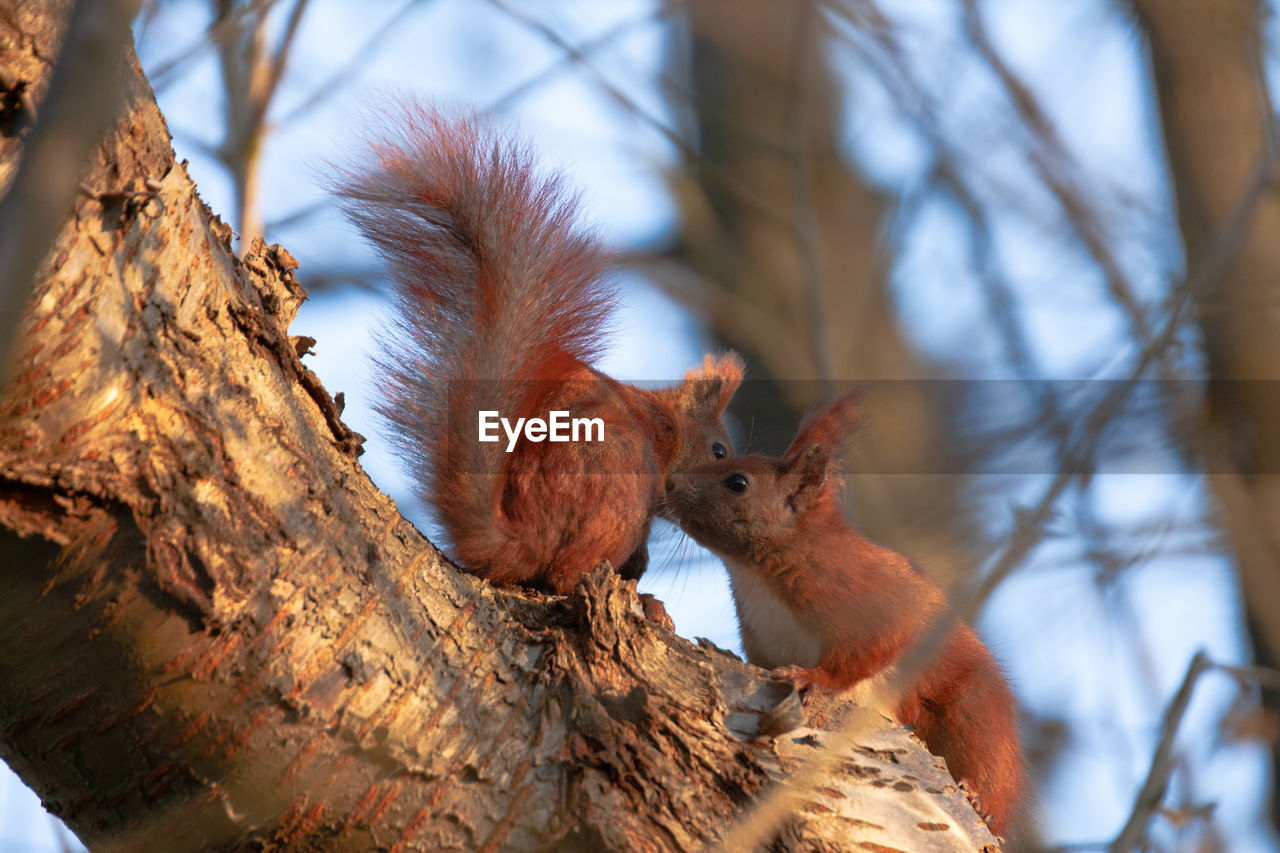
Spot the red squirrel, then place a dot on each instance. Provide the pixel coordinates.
(501, 302)
(826, 608)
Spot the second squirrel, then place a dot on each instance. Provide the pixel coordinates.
(827, 608)
(501, 302)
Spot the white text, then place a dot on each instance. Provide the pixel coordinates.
(557, 427)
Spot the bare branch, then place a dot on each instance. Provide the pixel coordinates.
(217, 30)
(1077, 458)
(251, 77)
(281, 58)
(1152, 791)
(1055, 167)
(736, 319)
(574, 55)
(348, 72)
(745, 196)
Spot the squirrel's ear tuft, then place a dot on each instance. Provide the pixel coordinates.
(806, 476)
(709, 387)
(831, 425)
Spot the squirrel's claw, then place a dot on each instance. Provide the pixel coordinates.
(975, 800)
(802, 678)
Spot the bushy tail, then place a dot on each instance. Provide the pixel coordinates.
(495, 285)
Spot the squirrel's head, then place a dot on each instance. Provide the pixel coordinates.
(740, 508)
(698, 404)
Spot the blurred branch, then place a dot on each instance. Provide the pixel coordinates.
(1152, 791)
(1001, 302)
(82, 102)
(1049, 156)
(1210, 73)
(361, 278)
(302, 214)
(349, 72)
(1055, 166)
(213, 34)
(1260, 676)
(1114, 556)
(251, 77)
(747, 197)
(1077, 458)
(1249, 533)
(574, 55)
(724, 308)
(868, 32)
(277, 63)
(914, 104)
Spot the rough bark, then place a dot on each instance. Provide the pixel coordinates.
(1207, 63)
(216, 633)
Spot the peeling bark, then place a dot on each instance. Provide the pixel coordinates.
(216, 633)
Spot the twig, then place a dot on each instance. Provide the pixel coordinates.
(349, 72)
(575, 55)
(160, 77)
(1052, 153)
(912, 100)
(1152, 791)
(1223, 249)
(251, 80)
(734, 317)
(743, 195)
(1264, 677)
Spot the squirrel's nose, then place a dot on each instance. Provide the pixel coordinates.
(671, 484)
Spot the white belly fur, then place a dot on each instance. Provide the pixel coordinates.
(780, 637)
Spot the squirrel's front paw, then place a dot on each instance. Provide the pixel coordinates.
(801, 677)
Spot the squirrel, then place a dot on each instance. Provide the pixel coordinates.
(501, 302)
(826, 608)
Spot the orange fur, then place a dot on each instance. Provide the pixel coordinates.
(813, 594)
(501, 303)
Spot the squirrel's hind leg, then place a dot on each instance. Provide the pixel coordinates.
(633, 567)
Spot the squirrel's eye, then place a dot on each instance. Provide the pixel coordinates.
(736, 483)
(718, 451)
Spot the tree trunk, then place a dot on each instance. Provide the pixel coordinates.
(1220, 140)
(216, 633)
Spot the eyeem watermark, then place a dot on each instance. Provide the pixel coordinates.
(557, 427)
